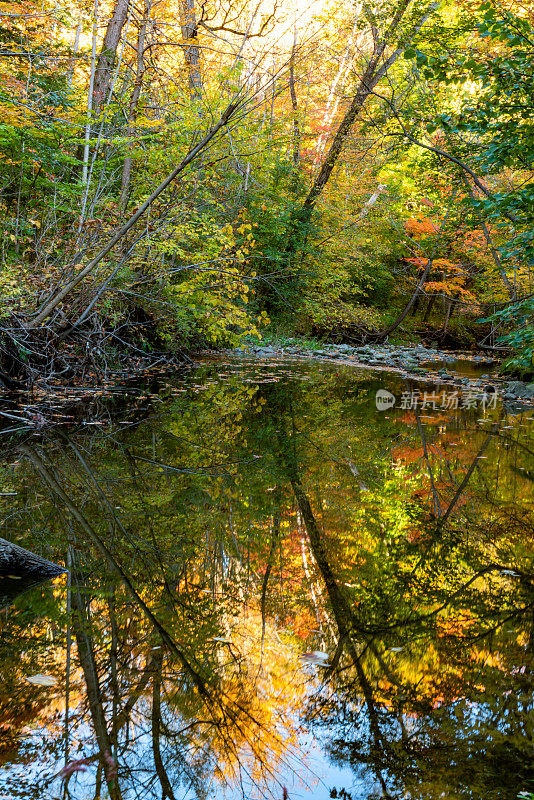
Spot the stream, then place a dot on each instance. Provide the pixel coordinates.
(286, 579)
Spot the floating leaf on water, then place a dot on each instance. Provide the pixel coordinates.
(73, 766)
(315, 657)
(41, 680)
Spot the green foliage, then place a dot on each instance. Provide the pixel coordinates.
(197, 281)
(495, 125)
(519, 316)
(226, 243)
(281, 278)
(485, 85)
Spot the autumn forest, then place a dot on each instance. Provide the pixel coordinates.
(266, 400)
(180, 175)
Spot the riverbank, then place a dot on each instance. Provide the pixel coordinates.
(460, 370)
(139, 385)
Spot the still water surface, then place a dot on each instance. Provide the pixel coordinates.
(274, 590)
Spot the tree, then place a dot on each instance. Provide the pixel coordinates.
(395, 38)
(491, 141)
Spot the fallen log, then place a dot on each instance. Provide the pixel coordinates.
(17, 561)
(20, 570)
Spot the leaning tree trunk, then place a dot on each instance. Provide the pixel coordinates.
(334, 95)
(376, 69)
(373, 73)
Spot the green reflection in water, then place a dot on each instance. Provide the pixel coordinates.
(258, 513)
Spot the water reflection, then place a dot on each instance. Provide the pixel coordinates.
(250, 519)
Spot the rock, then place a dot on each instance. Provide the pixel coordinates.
(519, 389)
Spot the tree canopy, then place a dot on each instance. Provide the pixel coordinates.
(176, 174)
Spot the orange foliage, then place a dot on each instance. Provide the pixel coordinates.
(421, 227)
(453, 282)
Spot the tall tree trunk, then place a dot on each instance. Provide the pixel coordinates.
(429, 307)
(166, 787)
(189, 27)
(86, 657)
(83, 150)
(294, 103)
(101, 68)
(275, 540)
(136, 93)
(106, 59)
(75, 48)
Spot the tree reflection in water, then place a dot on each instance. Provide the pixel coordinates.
(241, 524)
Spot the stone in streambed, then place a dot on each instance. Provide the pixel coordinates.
(521, 390)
